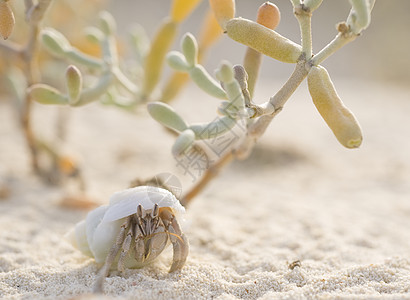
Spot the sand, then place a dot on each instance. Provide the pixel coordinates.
(343, 214)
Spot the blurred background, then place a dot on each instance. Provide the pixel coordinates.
(373, 65)
(381, 53)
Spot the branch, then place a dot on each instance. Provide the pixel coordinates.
(34, 14)
(344, 37)
(209, 174)
(277, 101)
(304, 17)
(10, 48)
(267, 111)
(255, 131)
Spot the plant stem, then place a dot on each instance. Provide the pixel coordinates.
(209, 174)
(35, 14)
(304, 18)
(28, 55)
(99, 88)
(338, 42)
(28, 4)
(124, 81)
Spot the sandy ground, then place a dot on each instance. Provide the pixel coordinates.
(344, 214)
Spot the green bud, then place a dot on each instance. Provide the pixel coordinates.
(190, 49)
(312, 4)
(204, 81)
(225, 72)
(183, 142)
(74, 83)
(359, 19)
(54, 41)
(107, 23)
(242, 77)
(177, 61)
(213, 129)
(94, 35)
(45, 94)
(235, 95)
(167, 116)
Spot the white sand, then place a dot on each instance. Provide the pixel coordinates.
(345, 214)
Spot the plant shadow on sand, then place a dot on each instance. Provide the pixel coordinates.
(269, 156)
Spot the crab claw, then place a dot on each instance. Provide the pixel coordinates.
(178, 239)
(181, 250)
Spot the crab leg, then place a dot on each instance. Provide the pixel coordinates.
(103, 272)
(124, 250)
(139, 236)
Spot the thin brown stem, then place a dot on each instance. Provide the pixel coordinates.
(209, 174)
(28, 55)
(34, 14)
(28, 4)
(304, 17)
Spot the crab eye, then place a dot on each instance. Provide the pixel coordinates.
(155, 211)
(140, 211)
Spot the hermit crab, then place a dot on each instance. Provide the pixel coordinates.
(132, 231)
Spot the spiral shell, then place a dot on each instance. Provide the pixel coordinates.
(95, 235)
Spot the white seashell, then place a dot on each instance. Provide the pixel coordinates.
(78, 238)
(125, 203)
(95, 236)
